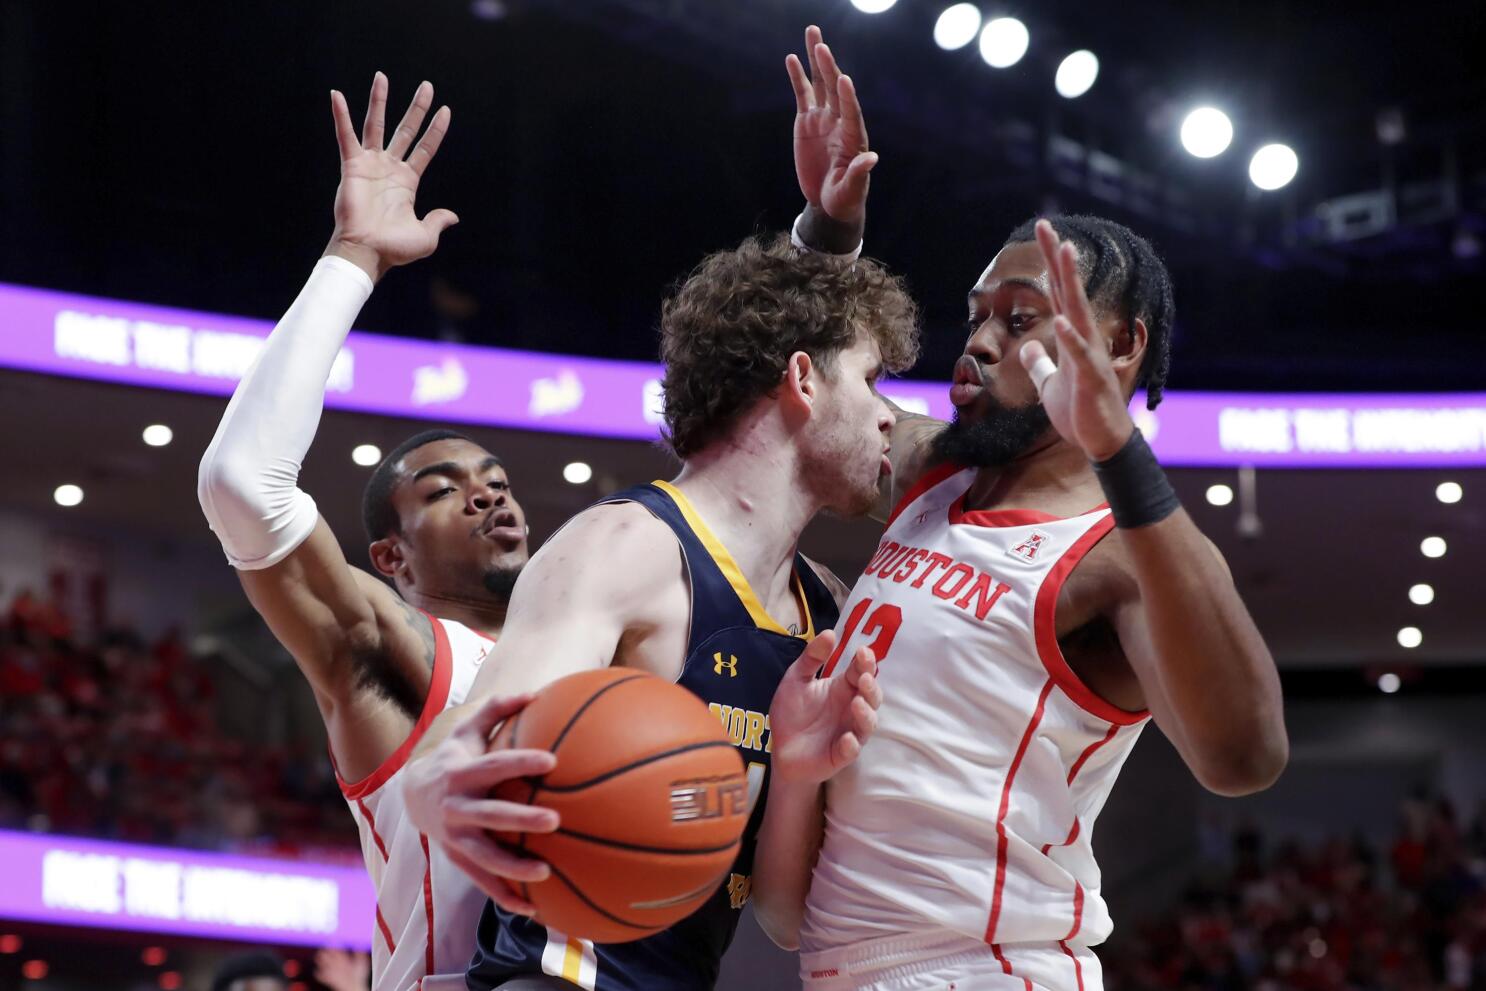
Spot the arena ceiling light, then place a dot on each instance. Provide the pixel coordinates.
(1206, 132)
(366, 455)
(957, 26)
(1421, 594)
(68, 495)
(158, 435)
(1273, 166)
(1449, 492)
(1432, 547)
(1219, 495)
(1003, 42)
(1076, 74)
(1409, 637)
(872, 6)
(577, 472)
(1389, 683)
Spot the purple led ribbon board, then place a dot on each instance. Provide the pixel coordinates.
(164, 348)
(59, 880)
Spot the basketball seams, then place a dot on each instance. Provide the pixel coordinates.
(644, 927)
(573, 719)
(636, 765)
(639, 848)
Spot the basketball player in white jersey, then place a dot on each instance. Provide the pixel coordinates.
(445, 529)
(1038, 596)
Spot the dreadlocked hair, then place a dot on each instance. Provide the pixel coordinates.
(1123, 271)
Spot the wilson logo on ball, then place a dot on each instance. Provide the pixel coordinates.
(708, 799)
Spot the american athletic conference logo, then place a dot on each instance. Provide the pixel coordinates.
(1030, 549)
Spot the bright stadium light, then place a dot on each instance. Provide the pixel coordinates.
(158, 435)
(1449, 492)
(1273, 166)
(872, 6)
(1076, 74)
(577, 472)
(68, 495)
(1432, 547)
(1206, 132)
(1219, 495)
(1421, 594)
(957, 26)
(1409, 637)
(1003, 42)
(366, 455)
(1389, 683)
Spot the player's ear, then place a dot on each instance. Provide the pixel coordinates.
(800, 384)
(387, 557)
(1127, 343)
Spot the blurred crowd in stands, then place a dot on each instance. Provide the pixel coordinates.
(109, 736)
(1339, 915)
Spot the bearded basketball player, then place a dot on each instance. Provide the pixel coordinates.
(1038, 596)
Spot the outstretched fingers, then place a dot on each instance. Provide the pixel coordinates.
(412, 120)
(817, 77)
(432, 138)
(376, 114)
(804, 97)
(345, 131)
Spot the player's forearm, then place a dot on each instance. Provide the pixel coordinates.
(788, 845)
(1214, 672)
(247, 480)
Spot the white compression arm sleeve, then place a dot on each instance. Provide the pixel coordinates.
(248, 482)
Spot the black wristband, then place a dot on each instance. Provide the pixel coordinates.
(1138, 491)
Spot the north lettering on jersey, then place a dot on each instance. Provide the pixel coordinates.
(968, 587)
(749, 730)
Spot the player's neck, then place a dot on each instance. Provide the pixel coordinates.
(1053, 475)
(750, 498)
(486, 614)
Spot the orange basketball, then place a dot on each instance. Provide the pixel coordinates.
(653, 800)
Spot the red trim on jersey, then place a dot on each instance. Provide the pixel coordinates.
(1044, 625)
(1005, 517)
(386, 933)
(428, 903)
(371, 823)
(1006, 964)
(925, 482)
(438, 697)
(1016, 762)
(1072, 835)
(1078, 765)
(1078, 911)
(1078, 970)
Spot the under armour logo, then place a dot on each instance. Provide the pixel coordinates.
(730, 665)
(1028, 549)
(919, 519)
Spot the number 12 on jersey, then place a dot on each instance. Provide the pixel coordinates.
(884, 621)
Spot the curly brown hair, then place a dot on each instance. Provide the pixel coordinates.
(727, 333)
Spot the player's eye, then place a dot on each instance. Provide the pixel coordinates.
(439, 493)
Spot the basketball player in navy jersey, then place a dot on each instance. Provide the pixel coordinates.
(958, 847)
(443, 525)
(772, 356)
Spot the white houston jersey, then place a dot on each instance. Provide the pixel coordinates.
(972, 806)
(427, 909)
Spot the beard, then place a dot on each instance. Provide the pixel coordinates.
(998, 436)
(500, 582)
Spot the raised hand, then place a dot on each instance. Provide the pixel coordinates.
(375, 225)
(818, 725)
(831, 156)
(1082, 395)
(447, 791)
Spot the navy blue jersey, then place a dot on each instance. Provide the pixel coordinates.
(736, 655)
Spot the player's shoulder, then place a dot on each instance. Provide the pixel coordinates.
(610, 542)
